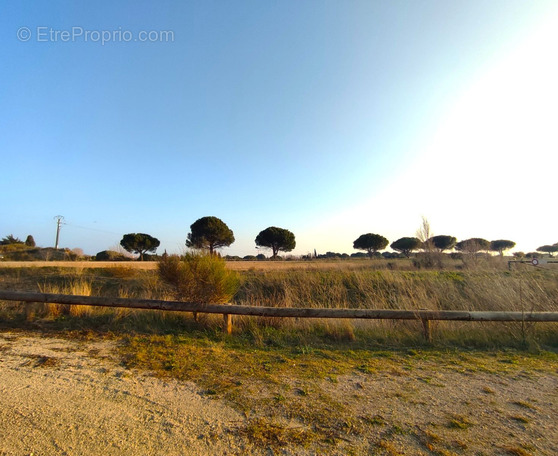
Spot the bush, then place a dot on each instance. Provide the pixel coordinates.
(10, 239)
(428, 260)
(199, 278)
(110, 255)
(13, 247)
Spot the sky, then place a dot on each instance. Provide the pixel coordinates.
(327, 118)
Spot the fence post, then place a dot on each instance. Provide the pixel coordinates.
(426, 328)
(227, 323)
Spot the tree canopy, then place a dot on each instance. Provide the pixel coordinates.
(10, 239)
(443, 242)
(406, 245)
(30, 242)
(500, 245)
(139, 243)
(276, 239)
(473, 245)
(209, 233)
(550, 249)
(370, 242)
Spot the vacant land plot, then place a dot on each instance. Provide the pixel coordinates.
(82, 380)
(179, 395)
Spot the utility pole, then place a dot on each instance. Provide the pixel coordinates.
(58, 219)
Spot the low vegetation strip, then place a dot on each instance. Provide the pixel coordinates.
(144, 265)
(243, 265)
(525, 291)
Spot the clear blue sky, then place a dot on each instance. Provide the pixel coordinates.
(329, 118)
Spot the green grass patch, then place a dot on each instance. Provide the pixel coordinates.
(459, 422)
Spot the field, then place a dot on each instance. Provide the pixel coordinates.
(337, 387)
(234, 265)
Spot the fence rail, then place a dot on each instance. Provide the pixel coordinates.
(227, 310)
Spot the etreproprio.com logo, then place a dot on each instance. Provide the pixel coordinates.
(79, 34)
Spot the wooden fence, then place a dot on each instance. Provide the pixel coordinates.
(227, 310)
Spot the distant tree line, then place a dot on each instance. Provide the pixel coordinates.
(373, 243)
(211, 233)
(10, 239)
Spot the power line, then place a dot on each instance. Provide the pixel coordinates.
(93, 229)
(105, 231)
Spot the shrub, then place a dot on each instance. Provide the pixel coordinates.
(199, 278)
(110, 255)
(428, 260)
(10, 239)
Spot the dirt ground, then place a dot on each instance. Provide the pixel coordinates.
(61, 397)
(70, 397)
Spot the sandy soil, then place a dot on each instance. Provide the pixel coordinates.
(60, 397)
(454, 411)
(68, 397)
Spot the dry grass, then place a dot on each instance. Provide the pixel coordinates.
(523, 289)
(145, 265)
(387, 289)
(79, 287)
(339, 264)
